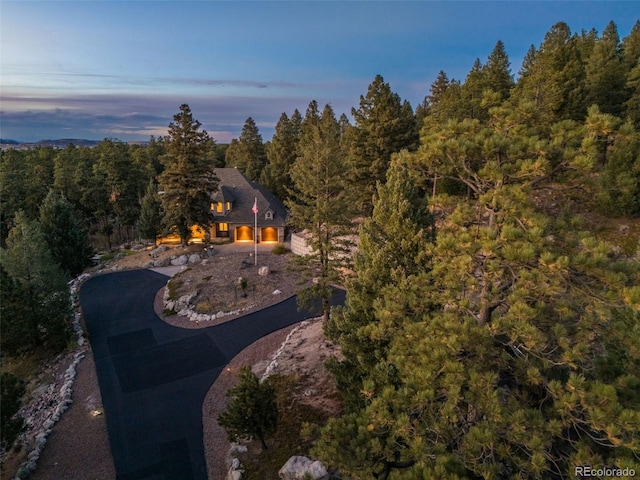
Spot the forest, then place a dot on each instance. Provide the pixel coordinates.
(492, 322)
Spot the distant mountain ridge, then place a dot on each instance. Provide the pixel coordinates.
(47, 143)
(59, 143)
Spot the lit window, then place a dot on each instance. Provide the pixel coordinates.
(228, 206)
(218, 207)
(223, 227)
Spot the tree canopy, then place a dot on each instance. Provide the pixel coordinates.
(188, 180)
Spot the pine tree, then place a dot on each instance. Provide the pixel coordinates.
(473, 90)
(122, 179)
(320, 200)
(445, 100)
(150, 214)
(392, 247)
(248, 153)
(631, 47)
(606, 74)
(527, 363)
(12, 315)
(253, 411)
(633, 104)
(46, 303)
(188, 180)
(281, 153)
(383, 126)
(65, 234)
(497, 72)
(552, 77)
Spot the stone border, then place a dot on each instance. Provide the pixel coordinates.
(61, 396)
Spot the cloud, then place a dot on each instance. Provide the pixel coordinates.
(136, 117)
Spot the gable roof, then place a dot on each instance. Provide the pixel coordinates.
(236, 188)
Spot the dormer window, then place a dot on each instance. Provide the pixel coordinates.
(268, 215)
(228, 206)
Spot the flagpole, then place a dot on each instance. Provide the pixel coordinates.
(255, 231)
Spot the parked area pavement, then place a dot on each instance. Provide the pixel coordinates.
(154, 377)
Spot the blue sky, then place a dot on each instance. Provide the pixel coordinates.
(89, 69)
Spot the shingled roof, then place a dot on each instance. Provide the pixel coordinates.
(236, 188)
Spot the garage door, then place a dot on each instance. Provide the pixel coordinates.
(269, 234)
(244, 233)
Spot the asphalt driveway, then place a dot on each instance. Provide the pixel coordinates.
(153, 377)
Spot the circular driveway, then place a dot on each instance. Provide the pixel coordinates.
(153, 377)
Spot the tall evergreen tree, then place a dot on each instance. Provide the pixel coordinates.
(392, 247)
(46, 301)
(509, 375)
(631, 46)
(606, 74)
(150, 219)
(320, 200)
(632, 105)
(473, 90)
(188, 179)
(248, 154)
(497, 72)
(382, 127)
(253, 411)
(444, 101)
(13, 314)
(281, 153)
(122, 179)
(553, 77)
(65, 234)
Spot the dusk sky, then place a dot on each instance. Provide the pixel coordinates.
(87, 69)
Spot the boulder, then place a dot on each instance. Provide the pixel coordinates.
(157, 251)
(181, 260)
(263, 271)
(165, 262)
(194, 258)
(301, 468)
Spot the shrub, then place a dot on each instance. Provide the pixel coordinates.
(280, 249)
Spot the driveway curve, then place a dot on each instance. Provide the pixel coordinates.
(154, 377)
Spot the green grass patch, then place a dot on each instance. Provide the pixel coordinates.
(287, 440)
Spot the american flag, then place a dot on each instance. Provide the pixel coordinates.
(255, 206)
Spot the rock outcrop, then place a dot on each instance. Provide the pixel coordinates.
(303, 468)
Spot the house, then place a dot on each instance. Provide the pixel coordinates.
(233, 216)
